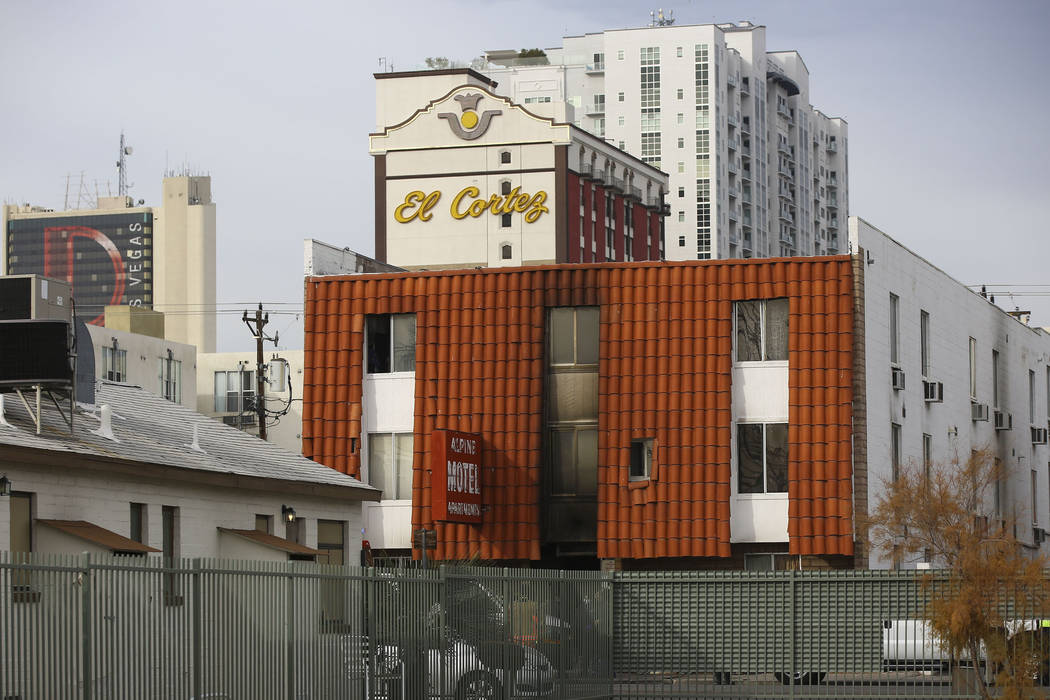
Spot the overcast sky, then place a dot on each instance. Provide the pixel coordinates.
(946, 102)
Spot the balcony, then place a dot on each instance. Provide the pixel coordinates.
(733, 168)
(585, 170)
(596, 68)
(783, 111)
(734, 191)
(733, 144)
(733, 216)
(596, 110)
(786, 171)
(833, 180)
(635, 193)
(833, 203)
(833, 223)
(745, 125)
(832, 147)
(787, 216)
(784, 147)
(732, 120)
(731, 81)
(745, 86)
(787, 237)
(747, 196)
(614, 183)
(746, 172)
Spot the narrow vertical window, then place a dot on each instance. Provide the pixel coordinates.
(973, 370)
(390, 464)
(924, 341)
(1035, 497)
(169, 519)
(641, 458)
(1031, 396)
(895, 450)
(995, 379)
(927, 454)
(138, 522)
(894, 329)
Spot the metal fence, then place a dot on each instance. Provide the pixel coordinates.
(94, 627)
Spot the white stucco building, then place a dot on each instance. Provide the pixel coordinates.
(946, 372)
(755, 170)
(161, 479)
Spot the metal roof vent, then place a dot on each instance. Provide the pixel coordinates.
(105, 430)
(196, 445)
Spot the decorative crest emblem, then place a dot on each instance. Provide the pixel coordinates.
(469, 125)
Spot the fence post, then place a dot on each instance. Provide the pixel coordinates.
(85, 623)
(794, 629)
(198, 652)
(291, 633)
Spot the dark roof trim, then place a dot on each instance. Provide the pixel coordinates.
(444, 71)
(272, 541)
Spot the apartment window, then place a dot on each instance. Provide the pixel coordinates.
(681, 142)
(641, 458)
(1035, 497)
(574, 453)
(895, 304)
(678, 52)
(762, 457)
(681, 217)
(680, 118)
(680, 95)
(572, 405)
(927, 454)
(170, 375)
(995, 378)
(681, 240)
(620, 121)
(264, 523)
(234, 391)
(139, 523)
(505, 251)
(504, 157)
(599, 61)
(895, 450)
(1031, 396)
(619, 55)
(973, 370)
(681, 191)
(681, 166)
(574, 335)
(115, 363)
(391, 343)
(505, 221)
(761, 330)
(924, 341)
(619, 97)
(390, 464)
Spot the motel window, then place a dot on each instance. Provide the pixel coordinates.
(924, 341)
(264, 523)
(574, 335)
(505, 221)
(331, 539)
(762, 457)
(171, 378)
(771, 562)
(895, 304)
(115, 363)
(390, 464)
(21, 529)
(170, 542)
(973, 370)
(895, 450)
(138, 517)
(574, 453)
(234, 391)
(504, 157)
(505, 251)
(641, 458)
(391, 343)
(761, 330)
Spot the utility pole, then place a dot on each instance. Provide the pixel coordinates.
(260, 320)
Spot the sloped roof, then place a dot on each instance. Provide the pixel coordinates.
(96, 534)
(151, 430)
(272, 541)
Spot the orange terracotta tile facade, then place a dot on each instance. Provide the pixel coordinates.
(665, 359)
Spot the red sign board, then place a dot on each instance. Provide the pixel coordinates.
(455, 476)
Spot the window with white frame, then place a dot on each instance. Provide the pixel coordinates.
(115, 363)
(390, 464)
(390, 343)
(995, 378)
(171, 378)
(973, 370)
(762, 457)
(1031, 396)
(234, 391)
(924, 341)
(641, 458)
(761, 330)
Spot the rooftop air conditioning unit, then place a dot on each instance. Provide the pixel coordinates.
(933, 392)
(978, 411)
(1003, 420)
(1038, 436)
(897, 378)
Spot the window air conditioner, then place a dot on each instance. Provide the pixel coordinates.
(897, 378)
(978, 411)
(933, 392)
(1003, 420)
(1038, 436)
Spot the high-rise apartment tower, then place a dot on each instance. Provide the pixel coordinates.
(755, 170)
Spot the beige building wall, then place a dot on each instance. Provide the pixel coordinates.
(287, 432)
(143, 361)
(184, 248)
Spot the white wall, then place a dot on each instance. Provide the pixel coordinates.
(956, 315)
(388, 406)
(103, 498)
(143, 360)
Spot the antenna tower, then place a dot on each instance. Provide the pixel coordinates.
(122, 167)
(657, 18)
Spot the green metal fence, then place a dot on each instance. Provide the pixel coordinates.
(132, 627)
